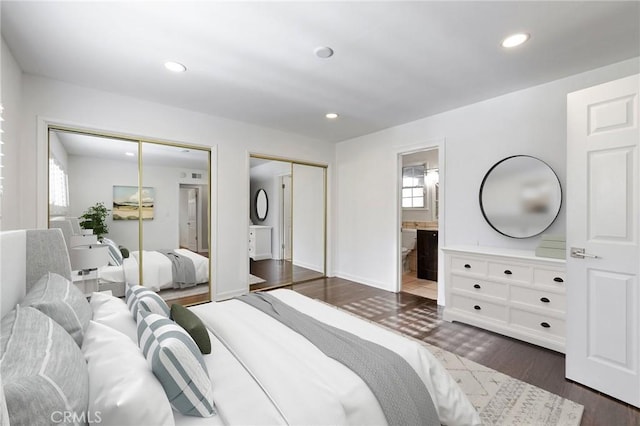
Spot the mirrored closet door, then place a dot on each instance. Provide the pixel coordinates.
(286, 222)
(132, 211)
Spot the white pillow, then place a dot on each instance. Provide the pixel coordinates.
(113, 312)
(122, 387)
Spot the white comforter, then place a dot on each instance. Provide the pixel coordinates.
(157, 270)
(307, 386)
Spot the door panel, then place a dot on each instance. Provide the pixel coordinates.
(610, 195)
(603, 218)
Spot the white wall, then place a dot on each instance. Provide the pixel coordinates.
(530, 121)
(48, 100)
(11, 99)
(160, 233)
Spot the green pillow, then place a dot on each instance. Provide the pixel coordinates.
(124, 251)
(192, 325)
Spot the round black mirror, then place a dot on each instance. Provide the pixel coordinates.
(520, 196)
(262, 204)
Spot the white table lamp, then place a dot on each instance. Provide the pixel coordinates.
(83, 240)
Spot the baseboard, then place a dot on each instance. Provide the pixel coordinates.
(361, 280)
(315, 268)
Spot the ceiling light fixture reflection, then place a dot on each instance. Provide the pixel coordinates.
(175, 66)
(331, 115)
(515, 40)
(129, 154)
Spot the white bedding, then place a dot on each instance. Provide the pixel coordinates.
(305, 384)
(157, 270)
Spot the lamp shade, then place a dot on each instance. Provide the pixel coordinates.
(83, 240)
(90, 256)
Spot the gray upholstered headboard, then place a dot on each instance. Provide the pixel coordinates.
(26, 255)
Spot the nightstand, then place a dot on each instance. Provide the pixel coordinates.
(86, 283)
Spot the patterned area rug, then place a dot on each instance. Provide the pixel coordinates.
(255, 280)
(498, 398)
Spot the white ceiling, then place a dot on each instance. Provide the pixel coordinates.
(116, 149)
(394, 61)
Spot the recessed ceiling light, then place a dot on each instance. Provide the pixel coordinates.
(323, 52)
(175, 66)
(129, 154)
(515, 40)
(331, 115)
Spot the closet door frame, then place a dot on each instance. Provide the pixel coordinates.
(45, 126)
(293, 162)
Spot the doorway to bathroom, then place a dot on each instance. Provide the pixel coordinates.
(419, 208)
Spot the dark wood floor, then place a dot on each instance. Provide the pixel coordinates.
(278, 273)
(541, 367)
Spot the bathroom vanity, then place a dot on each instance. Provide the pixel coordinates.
(427, 248)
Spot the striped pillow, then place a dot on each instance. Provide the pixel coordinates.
(59, 299)
(43, 371)
(177, 363)
(140, 298)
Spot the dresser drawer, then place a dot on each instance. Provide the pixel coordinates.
(538, 322)
(539, 298)
(479, 286)
(480, 308)
(511, 272)
(468, 265)
(549, 277)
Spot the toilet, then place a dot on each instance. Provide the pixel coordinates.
(409, 237)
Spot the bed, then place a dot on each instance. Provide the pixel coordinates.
(157, 270)
(259, 371)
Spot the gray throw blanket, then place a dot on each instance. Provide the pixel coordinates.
(401, 393)
(183, 269)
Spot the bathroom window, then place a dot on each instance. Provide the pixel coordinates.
(413, 187)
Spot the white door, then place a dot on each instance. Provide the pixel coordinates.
(603, 187)
(189, 218)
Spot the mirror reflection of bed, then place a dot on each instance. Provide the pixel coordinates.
(286, 223)
(171, 183)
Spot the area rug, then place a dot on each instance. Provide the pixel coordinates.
(185, 292)
(255, 280)
(498, 398)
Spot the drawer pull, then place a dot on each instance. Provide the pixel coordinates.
(476, 286)
(545, 325)
(507, 272)
(477, 307)
(466, 265)
(558, 280)
(544, 299)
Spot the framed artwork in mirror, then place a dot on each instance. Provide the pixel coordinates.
(520, 196)
(126, 202)
(262, 204)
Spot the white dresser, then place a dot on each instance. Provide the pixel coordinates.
(511, 292)
(259, 242)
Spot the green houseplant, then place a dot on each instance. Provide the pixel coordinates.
(95, 217)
